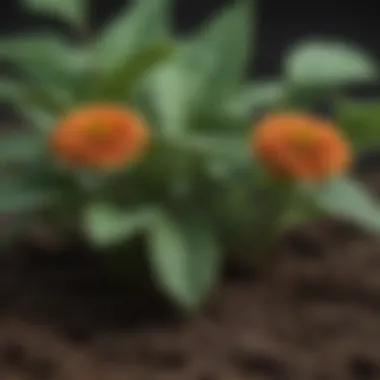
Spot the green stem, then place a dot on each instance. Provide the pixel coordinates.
(279, 199)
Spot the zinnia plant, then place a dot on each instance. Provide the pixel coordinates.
(129, 137)
(78, 103)
(300, 170)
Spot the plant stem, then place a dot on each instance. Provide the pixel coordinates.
(278, 200)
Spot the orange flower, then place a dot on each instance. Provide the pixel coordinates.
(102, 136)
(300, 146)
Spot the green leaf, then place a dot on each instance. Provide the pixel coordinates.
(12, 92)
(349, 200)
(131, 30)
(72, 11)
(207, 69)
(229, 146)
(20, 146)
(185, 258)
(171, 90)
(106, 225)
(29, 104)
(120, 83)
(253, 97)
(220, 51)
(19, 196)
(38, 118)
(360, 121)
(50, 69)
(328, 63)
(35, 103)
(45, 58)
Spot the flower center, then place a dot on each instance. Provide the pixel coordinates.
(303, 140)
(97, 131)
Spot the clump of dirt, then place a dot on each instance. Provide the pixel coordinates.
(314, 314)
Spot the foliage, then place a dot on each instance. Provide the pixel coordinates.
(199, 188)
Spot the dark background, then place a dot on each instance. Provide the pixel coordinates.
(282, 22)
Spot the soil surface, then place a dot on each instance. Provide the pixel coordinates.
(314, 314)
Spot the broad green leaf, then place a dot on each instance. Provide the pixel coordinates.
(172, 90)
(20, 146)
(13, 92)
(328, 63)
(220, 51)
(38, 118)
(349, 200)
(71, 11)
(19, 196)
(131, 30)
(106, 225)
(232, 146)
(207, 69)
(185, 258)
(360, 121)
(120, 83)
(35, 102)
(253, 97)
(45, 58)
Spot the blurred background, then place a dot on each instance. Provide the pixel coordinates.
(281, 23)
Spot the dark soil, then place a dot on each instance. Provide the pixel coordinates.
(314, 314)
